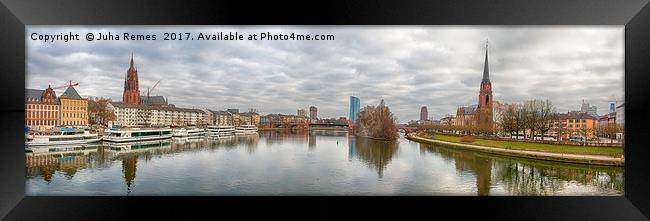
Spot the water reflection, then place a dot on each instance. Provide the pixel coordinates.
(66, 159)
(311, 140)
(528, 177)
(466, 161)
(129, 167)
(375, 154)
(235, 164)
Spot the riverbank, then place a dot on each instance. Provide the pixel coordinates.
(375, 138)
(528, 145)
(530, 154)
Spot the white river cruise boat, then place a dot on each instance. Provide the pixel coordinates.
(220, 130)
(63, 137)
(246, 129)
(188, 132)
(136, 134)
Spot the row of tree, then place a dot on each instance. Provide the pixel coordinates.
(533, 115)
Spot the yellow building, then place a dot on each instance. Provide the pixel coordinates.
(74, 109)
(249, 118)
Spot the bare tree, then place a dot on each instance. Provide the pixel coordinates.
(508, 119)
(610, 130)
(546, 116)
(377, 122)
(523, 119)
(98, 112)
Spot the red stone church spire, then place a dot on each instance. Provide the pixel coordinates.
(485, 94)
(485, 103)
(131, 93)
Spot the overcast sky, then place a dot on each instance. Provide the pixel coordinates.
(412, 66)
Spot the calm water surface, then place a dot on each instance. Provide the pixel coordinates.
(303, 163)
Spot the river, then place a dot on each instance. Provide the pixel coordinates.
(303, 163)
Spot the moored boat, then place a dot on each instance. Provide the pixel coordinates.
(246, 129)
(137, 134)
(220, 130)
(188, 132)
(62, 137)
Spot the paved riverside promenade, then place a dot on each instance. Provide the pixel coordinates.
(539, 155)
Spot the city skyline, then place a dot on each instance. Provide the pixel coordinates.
(410, 67)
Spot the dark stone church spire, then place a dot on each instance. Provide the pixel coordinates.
(486, 68)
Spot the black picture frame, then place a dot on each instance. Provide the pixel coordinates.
(635, 15)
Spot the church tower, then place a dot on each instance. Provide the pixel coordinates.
(131, 93)
(485, 95)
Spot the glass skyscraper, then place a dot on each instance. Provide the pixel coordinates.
(355, 105)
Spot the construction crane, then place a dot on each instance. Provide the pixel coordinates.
(154, 87)
(69, 84)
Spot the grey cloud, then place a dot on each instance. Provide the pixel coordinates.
(435, 66)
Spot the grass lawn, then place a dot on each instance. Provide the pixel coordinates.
(520, 145)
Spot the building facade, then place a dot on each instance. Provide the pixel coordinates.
(620, 112)
(591, 110)
(313, 113)
(74, 109)
(220, 118)
(249, 118)
(574, 124)
(466, 116)
(612, 107)
(620, 118)
(279, 120)
(302, 112)
(41, 109)
(130, 115)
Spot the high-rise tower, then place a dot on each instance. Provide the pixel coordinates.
(131, 93)
(424, 114)
(355, 105)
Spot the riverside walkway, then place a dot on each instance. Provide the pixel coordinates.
(538, 155)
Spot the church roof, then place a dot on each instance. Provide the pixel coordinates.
(153, 100)
(71, 93)
(471, 109)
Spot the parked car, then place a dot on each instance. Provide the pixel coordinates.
(577, 139)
